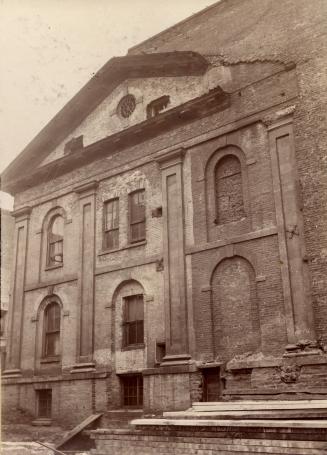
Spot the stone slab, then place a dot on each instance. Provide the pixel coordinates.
(318, 424)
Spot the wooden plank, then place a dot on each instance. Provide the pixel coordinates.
(92, 418)
(55, 451)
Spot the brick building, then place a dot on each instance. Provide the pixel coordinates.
(170, 223)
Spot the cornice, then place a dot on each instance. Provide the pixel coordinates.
(22, 213)
(214, 101)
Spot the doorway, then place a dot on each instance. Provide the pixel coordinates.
(211, 384)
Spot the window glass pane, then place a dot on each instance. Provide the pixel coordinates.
(134, 308)
(131, 327)
(52, 315)
(52, 330)
(111, 214)
(133, 320)
(138, 231)
(111, 239)
(52, 344)
(138, 206)
(139, 332)
(58, 226)
(56, 252)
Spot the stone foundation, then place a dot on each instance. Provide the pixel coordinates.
(227, 438)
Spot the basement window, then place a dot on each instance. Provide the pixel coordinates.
(156, 106)
(132, 391)
(44, 403)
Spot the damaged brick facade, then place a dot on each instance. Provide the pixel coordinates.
(232, 270)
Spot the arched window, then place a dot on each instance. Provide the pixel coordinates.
(51, 345)
(133, 320)
(228, 190)
(55, 241)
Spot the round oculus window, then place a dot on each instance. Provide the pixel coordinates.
(126, 106)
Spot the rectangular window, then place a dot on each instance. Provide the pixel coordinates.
(132, 391)
(133, 325)
(44, 403)
(137, 216)
(111, 224)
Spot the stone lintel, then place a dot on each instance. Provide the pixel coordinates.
(171, 158)
(170, 369)
(87, 189)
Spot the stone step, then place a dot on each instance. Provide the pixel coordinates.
(262, 414)
(254, 423)
(259, 405)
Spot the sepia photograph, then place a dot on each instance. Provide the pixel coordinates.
(163, 227)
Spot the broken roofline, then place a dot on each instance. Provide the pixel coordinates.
(113, 73)
(214, 101)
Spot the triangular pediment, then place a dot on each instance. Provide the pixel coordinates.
(94, 93)
(131, 103)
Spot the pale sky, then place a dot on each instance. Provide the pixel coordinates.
(50, 48)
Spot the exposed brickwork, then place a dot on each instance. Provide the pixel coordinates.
(288, 31)
(182, 440)
(234, 308)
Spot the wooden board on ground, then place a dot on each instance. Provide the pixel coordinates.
(81, 426)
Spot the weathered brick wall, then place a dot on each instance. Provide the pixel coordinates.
(277, 31)
(185, 441)
(263, 255)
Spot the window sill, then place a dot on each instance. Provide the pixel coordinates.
(226, 223)
(54, 359)
(132, 347)
(51, 267)
(126, 247)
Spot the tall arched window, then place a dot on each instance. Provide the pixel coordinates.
(55, 241)
(51, 345)
(133, 320)
(229, 190)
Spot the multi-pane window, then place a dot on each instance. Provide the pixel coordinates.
(137, 216)
(111, 224)
(229, 190)
(132, 390)
(133, 320)
(44, 403)
(55, 241)
(52, 330)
